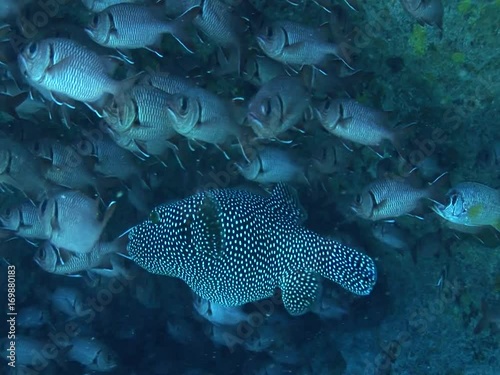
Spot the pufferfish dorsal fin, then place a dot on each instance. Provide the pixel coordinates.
(284, 201)
(299, 290)
(206, 228)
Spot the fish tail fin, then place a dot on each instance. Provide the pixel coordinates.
(441, 183)
(349, 268)
(496, 224)
(110, 210)
(10, 103)
(180, 28)
(130, 82)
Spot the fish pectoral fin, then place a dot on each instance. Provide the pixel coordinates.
(60, 100)
(105, 272)
(54, 224)
(157, 53)
(63, 256)
(110, 210)
(60, 67)
(378, 206)
(299, 291)
(496, 225)
(344, 122)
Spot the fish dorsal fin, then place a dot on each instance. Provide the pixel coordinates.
(206, 229)
(299, 291)
(284, 201)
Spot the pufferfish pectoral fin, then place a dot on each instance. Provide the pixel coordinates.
(284, 200)
(299, 290)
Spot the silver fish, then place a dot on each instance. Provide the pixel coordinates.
(174, 8)
(200, 115)
(132, 26)
(330, 304)
(388, 198)
(73, 219)
(111, 160)
(217, 314)
(391, 235)
(170, 83)
(278, 106)
(63, 262)
(32, 317)
(64, 167)
(24, 221)
(426, 12)
(55, 151)
(183, 330)
(99, 5)
(66, 70)
(355, 122)
(273, 165)
(93, 354)
(471, 204)
(145, 291)
(216, 20)
(329, 5)
(296, 44)
(71, 177)
(259, 70)
(329, 156)
(68, 301)
(141, 114)
(20, 170)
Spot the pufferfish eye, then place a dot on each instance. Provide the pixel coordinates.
(154, 217)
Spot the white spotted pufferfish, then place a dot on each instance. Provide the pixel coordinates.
(233, 247)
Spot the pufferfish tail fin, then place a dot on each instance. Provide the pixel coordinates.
(349, 268)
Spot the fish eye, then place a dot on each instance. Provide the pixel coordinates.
(43, 206)
(95, 20)
(32, 48)
(269, 32)
(265, 108)
(8, 212)
(183, 104)
(358, 199)
(84, 147)
(154, 217)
